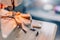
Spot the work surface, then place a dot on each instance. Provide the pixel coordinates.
(47, 32)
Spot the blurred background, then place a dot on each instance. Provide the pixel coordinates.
(43, 10)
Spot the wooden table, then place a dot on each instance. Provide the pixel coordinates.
(47, 32)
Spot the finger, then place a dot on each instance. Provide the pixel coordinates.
(9, 13)
(18, 18)
(25, 15)
(18, 13)
(26, 21)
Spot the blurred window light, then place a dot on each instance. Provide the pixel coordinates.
(45, 1)
(48, 7)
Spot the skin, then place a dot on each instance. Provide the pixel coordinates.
(19, 18)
